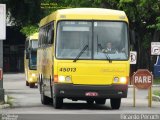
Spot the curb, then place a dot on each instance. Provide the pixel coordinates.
(131, 86)
(155, 98)
(4, 106)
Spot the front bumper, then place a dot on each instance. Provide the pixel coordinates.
(79, 91)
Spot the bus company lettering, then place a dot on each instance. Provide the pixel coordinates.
(117, 70)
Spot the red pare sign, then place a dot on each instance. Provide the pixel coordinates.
(1, 74)
(142, 79)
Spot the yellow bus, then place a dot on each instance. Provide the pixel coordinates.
(70, 59)
(30, 60)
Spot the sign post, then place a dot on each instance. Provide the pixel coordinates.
(142, 79)
(1, 74)
(150, 97)
(2, 37)
(134, 96)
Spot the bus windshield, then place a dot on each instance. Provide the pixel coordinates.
(33, 60)
(106, 40)
(34, 44)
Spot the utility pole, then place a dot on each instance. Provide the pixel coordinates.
(1, 69)
(2, 37)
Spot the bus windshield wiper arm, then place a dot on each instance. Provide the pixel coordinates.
(82, 51)
(107, 56)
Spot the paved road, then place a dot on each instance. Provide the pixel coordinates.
(27, 101)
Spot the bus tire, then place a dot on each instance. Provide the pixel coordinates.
(115, 103)
(27, 84)
(31, 85)
(44, 99)
(40, 84)
(57, 102)
(100, 101)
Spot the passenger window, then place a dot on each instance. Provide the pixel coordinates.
(39, 38)
(50, 34)
(46, 35)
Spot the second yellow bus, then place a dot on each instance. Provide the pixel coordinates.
(30, 60)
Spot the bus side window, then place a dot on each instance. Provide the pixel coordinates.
(46, 36)
(43, 37)
(50, 33)
(26, 45)
(40, 38)
(27, 49)
(50, 36)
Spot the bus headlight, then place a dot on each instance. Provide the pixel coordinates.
(33, 75)
(116, 80)
(61, 78)
(30, 80)
(64, 79)
(120, 80)
(68, 79)
(123, 80)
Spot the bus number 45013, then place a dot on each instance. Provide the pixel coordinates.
(67, 69)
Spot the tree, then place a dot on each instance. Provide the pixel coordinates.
(27, 13)
(143, 17)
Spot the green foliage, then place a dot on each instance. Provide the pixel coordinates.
(29, 30)
(27, 13)
(23, 12)
(156, 25)
(146, 41)
(48, 6)
(156, 92)
(126, 1)
(156, 81)
(143, 15)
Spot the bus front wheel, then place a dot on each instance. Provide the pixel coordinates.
(44, 99)
(115, 103)
(57, 102)
(31, 85)
(27, 84)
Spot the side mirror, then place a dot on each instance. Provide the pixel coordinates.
(27, 55)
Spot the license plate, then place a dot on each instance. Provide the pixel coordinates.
(91, 94)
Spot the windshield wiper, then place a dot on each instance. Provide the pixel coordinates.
(82, 51)
(106, 54)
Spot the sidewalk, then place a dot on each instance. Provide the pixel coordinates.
(157, 85)
(2, 106)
